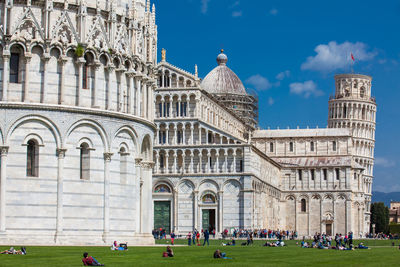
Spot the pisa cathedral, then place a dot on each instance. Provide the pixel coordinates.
(100, 141)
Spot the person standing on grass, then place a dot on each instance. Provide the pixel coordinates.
(198, 238)
(206, 237)
(172, 237)
(194, 237)
(189, 238)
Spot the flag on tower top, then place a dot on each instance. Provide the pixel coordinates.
(352, 57)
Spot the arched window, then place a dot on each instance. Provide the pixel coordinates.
(312, 146)
(208, 199)
(271, 147)
(85, 161)
(291, 147)
(14, 67)
(85, 73)
(123, 165)
(362, 92)
(32, 159)
(334, 146)
(303, 205)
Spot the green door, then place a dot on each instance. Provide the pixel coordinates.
(206, 219)
(162, 215)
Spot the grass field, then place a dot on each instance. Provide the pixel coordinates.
(380, 254)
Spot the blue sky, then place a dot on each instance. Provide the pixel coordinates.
(289, 51)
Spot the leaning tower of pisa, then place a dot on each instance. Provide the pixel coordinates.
(354, 107)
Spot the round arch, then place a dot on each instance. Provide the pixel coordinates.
(132, 133)
(93, 124)
(53, 128)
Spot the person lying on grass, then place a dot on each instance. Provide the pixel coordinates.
(220, 255)
(169, 253)
(232, 243)
(15, 252)
(90, 261)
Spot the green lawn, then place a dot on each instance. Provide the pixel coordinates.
(381, 255)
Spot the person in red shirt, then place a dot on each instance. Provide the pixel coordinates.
(90, 261)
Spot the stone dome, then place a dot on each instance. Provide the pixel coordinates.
(222, 80)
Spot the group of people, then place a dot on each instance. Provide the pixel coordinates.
(13, 251)
(342, 242)
(194, 238)
(263, 233)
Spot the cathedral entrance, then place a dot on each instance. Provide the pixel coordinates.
(208, 219)
(328, 229)
(162, 215)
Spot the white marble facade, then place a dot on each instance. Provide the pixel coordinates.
(305, 180)
(76, 131)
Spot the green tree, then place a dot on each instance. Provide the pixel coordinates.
(380, 217)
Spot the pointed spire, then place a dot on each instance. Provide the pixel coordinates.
(154, 8)
(65, 4)
(163, 55)
(148, 5)
(196, 71)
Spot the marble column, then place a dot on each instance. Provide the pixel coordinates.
(62, 61)
(45, 60)
(156, 163)
(3, 184)
(138, 206)
(176, 211)
(175, 170)
(208, 162)
(200, 161)
(191, 166)
(6, 75)
(27, 97)
(111, 83)
(147, 198)
(220, 211)
(226, 161)
(80, 62)
(175, 135)
(196, 208)
(234, 162)
(167, 131)
(95, 90)
(106, 223)
(60, 193)
(192, 134)
(166, 162)
(170, 108)
(217, 162)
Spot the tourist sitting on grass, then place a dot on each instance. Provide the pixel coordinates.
(169, 253)
(13, 251)
(304, 244)
(114, 246)
(90, 261)
(219, 255)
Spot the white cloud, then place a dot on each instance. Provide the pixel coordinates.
(271, 101)
(204, 6)
(283, 75)
(237, 14)
(334, 56)
(306, 89)
(273, 12)
(235, 4)
(259, 82)
(386, 163)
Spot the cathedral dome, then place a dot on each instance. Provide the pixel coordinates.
(222, 80)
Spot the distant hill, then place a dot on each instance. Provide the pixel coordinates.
(385, 197)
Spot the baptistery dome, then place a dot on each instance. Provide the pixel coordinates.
(222, 80)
